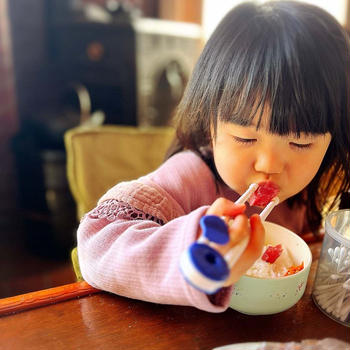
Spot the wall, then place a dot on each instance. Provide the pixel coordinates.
(214, 11)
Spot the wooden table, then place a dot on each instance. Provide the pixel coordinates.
(105, 321)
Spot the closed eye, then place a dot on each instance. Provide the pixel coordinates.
(300, 145)
(242, 140)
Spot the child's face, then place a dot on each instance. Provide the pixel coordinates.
(244, 155)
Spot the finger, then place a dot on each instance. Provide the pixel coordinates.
(257, 238)
(238, 229)
(252, 252)
(225, 207)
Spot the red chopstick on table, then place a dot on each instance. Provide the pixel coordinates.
(45, 297)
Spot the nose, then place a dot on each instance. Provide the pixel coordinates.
(269, 161)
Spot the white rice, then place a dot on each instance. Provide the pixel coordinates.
(264, 269)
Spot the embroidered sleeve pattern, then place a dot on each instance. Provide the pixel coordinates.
(113, 209)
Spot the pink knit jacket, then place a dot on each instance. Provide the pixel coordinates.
(140, 258)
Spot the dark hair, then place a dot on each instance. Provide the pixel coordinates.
(290, 57)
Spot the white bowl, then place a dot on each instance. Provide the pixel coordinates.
(265, 296)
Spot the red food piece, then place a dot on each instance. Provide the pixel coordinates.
(271, 254)
(263, 195)
(294, 269)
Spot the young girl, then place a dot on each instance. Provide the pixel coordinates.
(269, 99)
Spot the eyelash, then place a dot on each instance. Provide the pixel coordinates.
(301, 145)
(243, 141)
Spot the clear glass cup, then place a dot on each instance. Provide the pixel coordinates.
(331, 290)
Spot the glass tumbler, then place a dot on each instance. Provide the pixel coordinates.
(331, 290)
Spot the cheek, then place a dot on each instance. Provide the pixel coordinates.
(306, 167)
(232, 167)
(316, 159)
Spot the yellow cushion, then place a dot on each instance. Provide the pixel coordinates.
(100, 157)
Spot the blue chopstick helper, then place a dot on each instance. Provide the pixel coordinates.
(202, 266)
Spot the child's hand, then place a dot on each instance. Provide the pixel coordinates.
(239, 228)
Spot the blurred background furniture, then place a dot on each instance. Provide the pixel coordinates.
(94, 58)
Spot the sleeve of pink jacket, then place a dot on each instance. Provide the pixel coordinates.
(140, 258)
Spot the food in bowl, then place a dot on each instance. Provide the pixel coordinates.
(275, 261)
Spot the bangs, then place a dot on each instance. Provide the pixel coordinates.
(274, 71)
